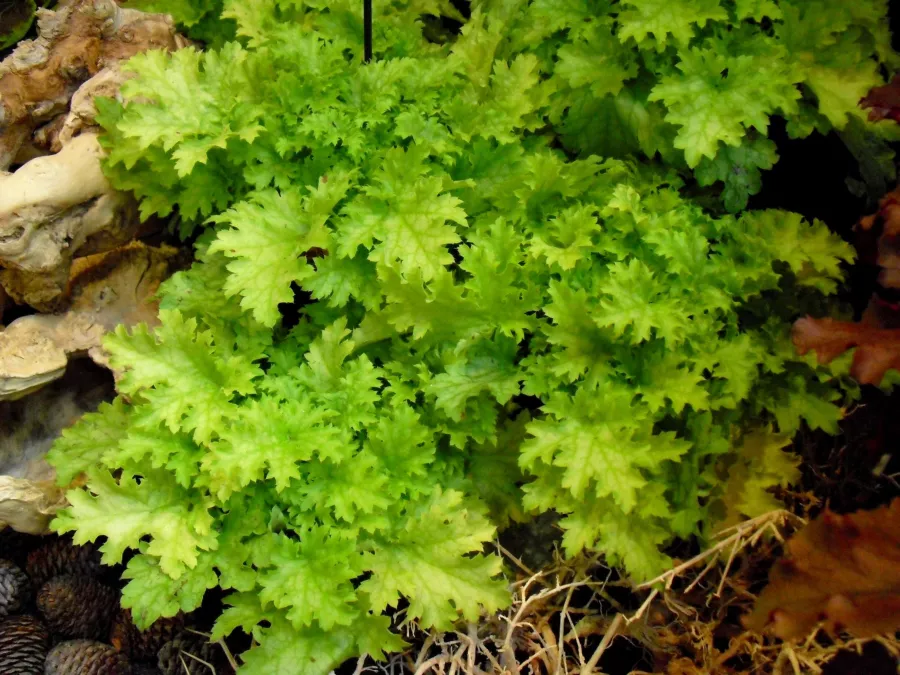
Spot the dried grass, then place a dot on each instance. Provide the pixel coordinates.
(192, 664)
(564, 619)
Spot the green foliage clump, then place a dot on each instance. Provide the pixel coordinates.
(487, 327)
(200, 20)
(697, 81)
(692, 82)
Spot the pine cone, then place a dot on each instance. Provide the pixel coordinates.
(24, 642)
(144, 669)
(14, 588)
(185, 646)
(86, 657)
(77, 607)
(61, 556)
(143, 645)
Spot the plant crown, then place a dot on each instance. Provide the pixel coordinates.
(488, 326)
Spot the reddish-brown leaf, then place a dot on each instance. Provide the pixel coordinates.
(843, 570)
(885, 225)
(877, 349)
(884, 102)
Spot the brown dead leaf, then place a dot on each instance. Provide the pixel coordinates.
(843, 570)
(884, 225)
(877, 349)
(884, 102)
(877, 336)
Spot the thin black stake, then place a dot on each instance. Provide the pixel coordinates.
(367, 29)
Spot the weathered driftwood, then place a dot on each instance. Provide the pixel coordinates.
(75, 42)
(66, 237)
(57, 207)
(82, 109)
(27, 505)
(107, 290)
(29, 495)
(52, 209)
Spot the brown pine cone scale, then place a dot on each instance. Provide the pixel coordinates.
(86, 657)
(61, 556)
(14, 588)
(145, 669)
(190, 647)
(143, 645)
(24, 642)
(77, 607)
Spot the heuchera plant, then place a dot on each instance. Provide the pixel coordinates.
(487, 326)
(696, 81)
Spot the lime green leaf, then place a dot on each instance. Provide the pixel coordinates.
(161, 449)
(717, 98)
(673, 379)
(268, 235)
(839, 91)
(487, 367)
(271, 437)
(220, 84)
(408, 216)
(757, 10)
(404, 447)
(151, 593)
(569, 237)
(636, 299)
(629, 539)
(813, 253)
(82, 446)
(245, 611)
(179, 524)
(429, 563)
(337, 280)
(283, 649)
(662, 18)
(179, 372)
(597, 62)
(311, 579)
(351, 490)
(598, 440)
(373, 636)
